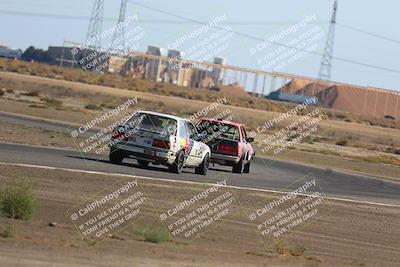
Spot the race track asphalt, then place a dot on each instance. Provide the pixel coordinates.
(265, 174)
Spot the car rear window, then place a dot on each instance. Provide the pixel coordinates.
(219, 130)
(153, 123)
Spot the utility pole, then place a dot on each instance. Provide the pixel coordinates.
(93, 38)
(118, 41)
(326, 62)
(325, 68)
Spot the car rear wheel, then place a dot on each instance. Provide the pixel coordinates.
(177, 166)
(246, 168)
(203, 167)
(143, 163)
(116, 156)
(238, 167)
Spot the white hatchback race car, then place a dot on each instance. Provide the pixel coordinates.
(160, 139)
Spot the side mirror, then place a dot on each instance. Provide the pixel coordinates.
(250, 139)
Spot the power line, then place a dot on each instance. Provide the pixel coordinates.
(86, 18)
(46, 15)
(262, 39)
(237, 23)
(155, 21)
(368, 33)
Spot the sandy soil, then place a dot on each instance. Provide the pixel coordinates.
(19, 134)
(384, 171)
(349, 235)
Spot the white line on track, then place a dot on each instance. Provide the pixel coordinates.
(193, 183)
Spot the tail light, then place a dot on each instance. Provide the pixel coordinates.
(228, 149)
(161, 143)
(117, 135)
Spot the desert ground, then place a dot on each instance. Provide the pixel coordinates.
(348, 235)
(42, 111)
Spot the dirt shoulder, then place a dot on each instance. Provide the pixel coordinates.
(348, 235)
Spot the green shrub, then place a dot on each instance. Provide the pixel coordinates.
(279, 246)
(297, 251)
(340, 116)
(92, 106)
(52, 102)
(17, 201)
(153, 235)
(8, 232)
(32, 93)
(108, 105)
(282, 248)
(341, 142)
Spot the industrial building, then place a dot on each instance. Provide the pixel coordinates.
(9, 52)
(217, 74)
(155, 67)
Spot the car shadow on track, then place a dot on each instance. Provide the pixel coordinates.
(126, 164)
(219, 170)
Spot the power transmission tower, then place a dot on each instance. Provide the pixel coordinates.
(326, 62)
(118, 41)
(93, 38)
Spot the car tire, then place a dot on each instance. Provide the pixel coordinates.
(203, 167)
(246, 168)
(177, 166)
(116, 156)
(143, 163)
(238, 167)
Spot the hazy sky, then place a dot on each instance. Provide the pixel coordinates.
(380, 17)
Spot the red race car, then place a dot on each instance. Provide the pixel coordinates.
(229, 143)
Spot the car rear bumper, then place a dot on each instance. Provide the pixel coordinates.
(150, 154)
(224, 159)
